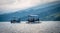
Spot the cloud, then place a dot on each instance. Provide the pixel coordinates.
(7, 6)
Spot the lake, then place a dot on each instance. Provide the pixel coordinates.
(23, 27)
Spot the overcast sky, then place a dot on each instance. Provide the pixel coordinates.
(7, 6)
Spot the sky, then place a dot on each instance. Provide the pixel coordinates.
(8, 6)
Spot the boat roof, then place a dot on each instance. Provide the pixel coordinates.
(33, 15)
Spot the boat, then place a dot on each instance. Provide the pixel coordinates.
(15, 20)
(33, 19)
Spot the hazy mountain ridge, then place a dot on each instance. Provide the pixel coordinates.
(42, 11)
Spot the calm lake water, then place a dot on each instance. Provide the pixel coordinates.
(43, 27)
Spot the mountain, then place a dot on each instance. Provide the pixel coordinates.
(45, 12)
